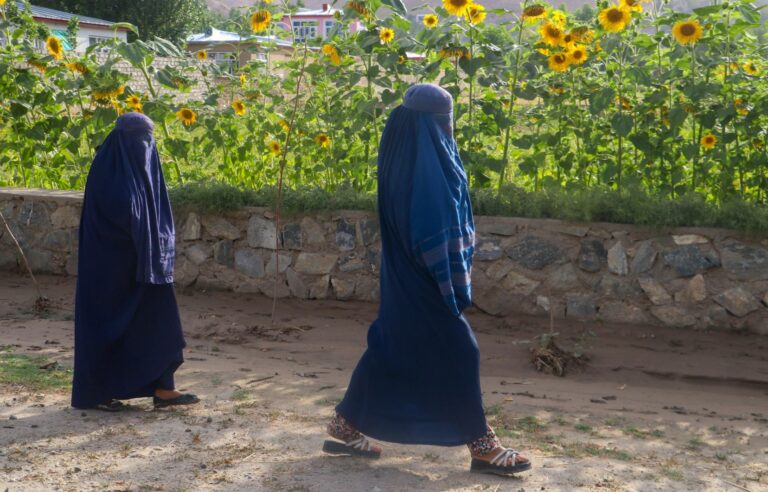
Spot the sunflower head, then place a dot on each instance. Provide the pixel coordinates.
(37, 65)
(430, 21)
(243, 80)
(577, 55)
(202, 55)
(741, 106)
(559, 62)
(260, 20)
(186, 116)
(133, 101)
(551, 34)
(323, 140)
(239, 107)
(687, 32)
(614, 19)
(455, 52)
(583, 34)
(386, 35)
(359, 8)
(631, 5)
(708, 141)
(284, 125)
(558, 17)
(750, 68)
(274, 147)
(54, 47)
(534, 12)
(476, 13)
(78, 67)
(457, 7)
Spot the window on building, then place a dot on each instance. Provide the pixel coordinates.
(95, 40)
(226, 60)
(304, 30)
(330, 25)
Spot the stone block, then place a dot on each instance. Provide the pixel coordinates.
(296, 284)
(316, 263)
(367, 289)
(66, 217)
(580, 306)
(351, 263)
(687, 239)
(224, 253)
(220, 228)
(292, 236)
(320, 288)
(518, 284)
(688, 261)
(261, 233)
(488, 250)
(674, 316)
(198, 253)
(645, 257)
(617, 259)
(368, 231)
(534, 253)
(185, 272)
(59, 240)
(738, 301)
(191, 229)
(345, 235)
(622, 312)
(694, 292)
(70, 267)
(744, 262)
(564, 279)
(592, 255)
(343, 289)
(656, 292)
(281, 262)
(249, 262)
(312, 232)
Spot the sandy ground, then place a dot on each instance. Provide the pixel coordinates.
(656, 409)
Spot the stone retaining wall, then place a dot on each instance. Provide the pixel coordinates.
(697, 278)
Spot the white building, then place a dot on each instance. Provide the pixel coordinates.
(92, 30)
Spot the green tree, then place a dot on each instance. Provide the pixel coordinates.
(170, 19)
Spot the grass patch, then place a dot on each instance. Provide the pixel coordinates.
(633, 431)
(35, 373)
(583, 427)
(630, 206)
(673, 474)
(328, 402)
(582, 449)
(695, 444)
(241, 394)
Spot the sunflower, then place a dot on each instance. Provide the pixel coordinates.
(260, 20)
(187, 116)
(54, 47)
(134, 102)
(551, 34)
(687, 32)
(544, 51)
(109, 93)
(331, 52)
(583, 34)
(323, 140)
(558, 17)
(239, 107)
(741, 106)
(614, 19)
(559, 62)
(457, 7)
(359, 8)
(568, 40)
(284, 125)
(631, 5)
(116, 105)
(708, 141)
(386, 35)
(577, 55)
(750, 68)
(202, 55)
(626, 105)
(2, 2)
(455, 52)
(243, 80)
(430, 21)
(597, 47)
(274, 147)
(476, 13)
(556, 89)
(534, 12)
(77, 67)
(401, 59)
(37, 65)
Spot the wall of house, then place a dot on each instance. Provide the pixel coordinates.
(679, 278)
(85, 33)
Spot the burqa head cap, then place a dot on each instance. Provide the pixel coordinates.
(428, 98)
(135, 123)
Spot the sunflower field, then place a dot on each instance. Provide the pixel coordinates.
(637, 96)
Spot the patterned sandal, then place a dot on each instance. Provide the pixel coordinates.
(357, 447)
(499, 464)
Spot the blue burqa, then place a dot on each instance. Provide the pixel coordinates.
(419, 381)
(128, 337)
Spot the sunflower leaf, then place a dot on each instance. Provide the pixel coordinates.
(396, 5)
(622, 124)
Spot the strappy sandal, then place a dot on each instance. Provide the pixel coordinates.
(357, 447)
(185, 399)
(498, 465)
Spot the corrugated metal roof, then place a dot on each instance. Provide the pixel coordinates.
(58, 15)
(316, 13)
(217, 36)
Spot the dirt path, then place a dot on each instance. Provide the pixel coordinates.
(656, 409)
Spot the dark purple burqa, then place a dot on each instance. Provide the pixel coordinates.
(128, 337)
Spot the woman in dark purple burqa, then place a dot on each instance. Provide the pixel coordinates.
(128, 336)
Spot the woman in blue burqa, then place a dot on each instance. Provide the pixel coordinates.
(419, 380)
(128, 337)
